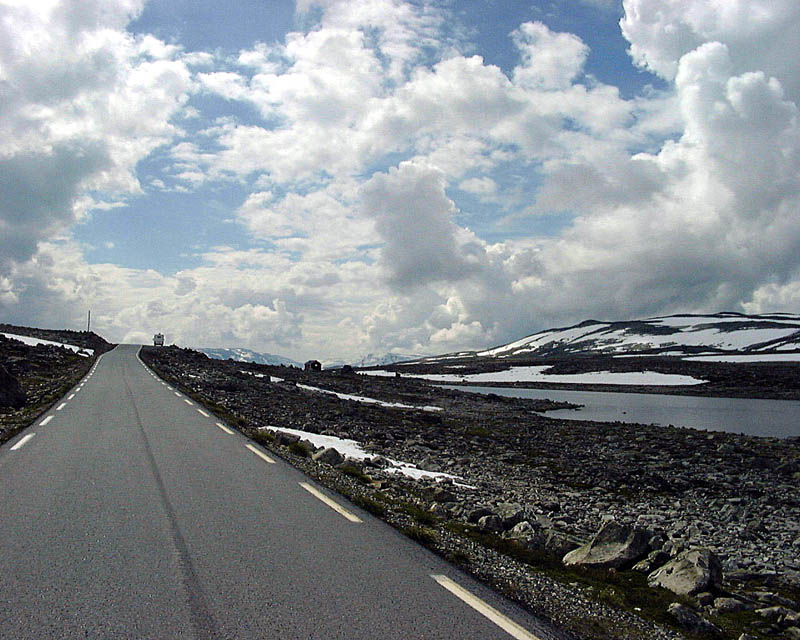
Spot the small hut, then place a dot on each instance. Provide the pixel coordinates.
(312, 365)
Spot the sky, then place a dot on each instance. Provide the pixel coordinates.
(335, 178)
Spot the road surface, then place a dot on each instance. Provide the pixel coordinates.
(129, 512)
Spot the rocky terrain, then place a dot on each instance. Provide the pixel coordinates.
(608, 530)
(33, 377)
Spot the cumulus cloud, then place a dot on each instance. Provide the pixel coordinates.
(83, 102)
(371, 123)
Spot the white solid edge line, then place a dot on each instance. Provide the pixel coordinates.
(224, 428)
(61, 406)
(504, 622)
(201, 412)
(333, 505)
(22, 441)
(260, 454)
(45, 421)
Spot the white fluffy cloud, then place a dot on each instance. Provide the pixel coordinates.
(83, 102)
(371, 123)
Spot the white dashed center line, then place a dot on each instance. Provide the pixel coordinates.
(45, 421)
(504, 622)
(177, 394)
(333, 505)
(189, 402)
(71, 397)
(224, 428)
(202, 413)
(22, 441)
(61, 406)
(260, 454)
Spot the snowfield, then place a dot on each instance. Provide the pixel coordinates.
(725, 331)
(539, 374)
(37, 341)
(749, 357)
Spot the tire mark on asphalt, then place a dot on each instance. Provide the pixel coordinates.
(203, 623)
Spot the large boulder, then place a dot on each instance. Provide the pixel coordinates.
(328, 456)
(11, 393)
(614, 546)
(689, 573)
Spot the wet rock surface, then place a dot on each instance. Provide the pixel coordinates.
(530, 487)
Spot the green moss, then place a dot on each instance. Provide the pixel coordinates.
(354, 472)
(300, 449)
(423, 535)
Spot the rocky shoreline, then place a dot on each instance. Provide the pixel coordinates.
(529, 490)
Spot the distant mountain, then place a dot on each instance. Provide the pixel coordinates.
(375, 360)
(248, 355)
(679, 335)
(669, 335)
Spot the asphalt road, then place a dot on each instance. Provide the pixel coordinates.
(127, 512)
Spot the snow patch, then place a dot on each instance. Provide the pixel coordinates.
(366, 400)
(539, 374)
(353, 449)
(34, 342)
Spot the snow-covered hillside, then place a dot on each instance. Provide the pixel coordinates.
(248, 355)
(670, 335)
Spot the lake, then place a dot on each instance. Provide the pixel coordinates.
(773, 418)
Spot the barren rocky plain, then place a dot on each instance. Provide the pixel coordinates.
(32, 378)
(609, 530)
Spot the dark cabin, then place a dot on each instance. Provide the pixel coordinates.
(312, 365)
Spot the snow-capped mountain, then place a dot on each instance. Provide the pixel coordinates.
(248, 355)
(669, 335)
(375, 360)
(371, 360)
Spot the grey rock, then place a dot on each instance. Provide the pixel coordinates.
(440, 494)
(476, 514)
(730, 605)
(690, 619)
(329, 456)
(510, 513)
(490, 524)
(689, 573)
(559, 543)
(614, 546)
(285, 439)
(775, 614)
(653, 561)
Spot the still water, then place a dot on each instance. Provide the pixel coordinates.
(775, 418)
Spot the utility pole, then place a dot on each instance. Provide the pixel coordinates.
(89, 321)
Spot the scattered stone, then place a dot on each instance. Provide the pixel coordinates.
(285, 439)
(511, 514)
(614, 546)
(440, 494)
(654, 560)
(690, 619)
(490, 524)
(730, 605)
(689, 573)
